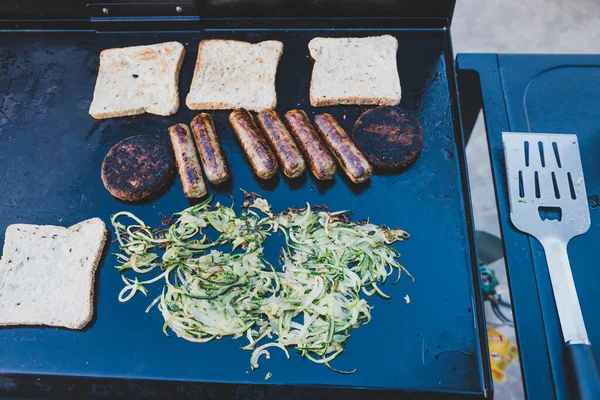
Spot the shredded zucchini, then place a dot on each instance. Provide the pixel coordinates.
(329, 269)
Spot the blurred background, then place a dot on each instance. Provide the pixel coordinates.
(514, 26)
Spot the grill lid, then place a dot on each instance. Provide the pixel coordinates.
(84, 9)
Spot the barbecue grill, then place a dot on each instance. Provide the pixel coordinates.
(50, 156)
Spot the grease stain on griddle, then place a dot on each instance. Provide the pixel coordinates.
(594, 201)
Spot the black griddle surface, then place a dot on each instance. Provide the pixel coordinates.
(50, 156)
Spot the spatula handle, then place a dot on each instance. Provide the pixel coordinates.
(585, 377)
(565, 293)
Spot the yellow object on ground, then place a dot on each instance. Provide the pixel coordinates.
(502, 353)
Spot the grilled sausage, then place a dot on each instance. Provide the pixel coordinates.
(352, 161)
(209, 149)
(282, 143)
(187, 161)
(319, 160)
(255, 146)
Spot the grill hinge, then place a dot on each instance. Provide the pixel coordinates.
(139, 16)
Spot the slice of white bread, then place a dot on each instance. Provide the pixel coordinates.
(231, 74)
(354, 71)
(47, 273)
(138, 79)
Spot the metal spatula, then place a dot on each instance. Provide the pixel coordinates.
(548, 200)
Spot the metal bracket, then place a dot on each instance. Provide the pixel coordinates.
(133, 15)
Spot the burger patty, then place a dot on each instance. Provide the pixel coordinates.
(138, 167)
(390, 137)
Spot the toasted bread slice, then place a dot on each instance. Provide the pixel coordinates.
(47, 274)
(354, 71)
(231, 74)
(136, 80)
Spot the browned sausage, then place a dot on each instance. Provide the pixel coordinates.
(187, 161)
(319, 160)
(209, 148)
(352, 161)
(255, 146)
(282, 143)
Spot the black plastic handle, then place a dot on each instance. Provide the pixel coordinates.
(585, 376)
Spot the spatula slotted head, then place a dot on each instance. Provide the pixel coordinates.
(546, 188)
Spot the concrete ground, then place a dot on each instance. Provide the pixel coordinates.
(516, 26)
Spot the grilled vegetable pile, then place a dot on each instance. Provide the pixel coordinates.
(225, 287)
